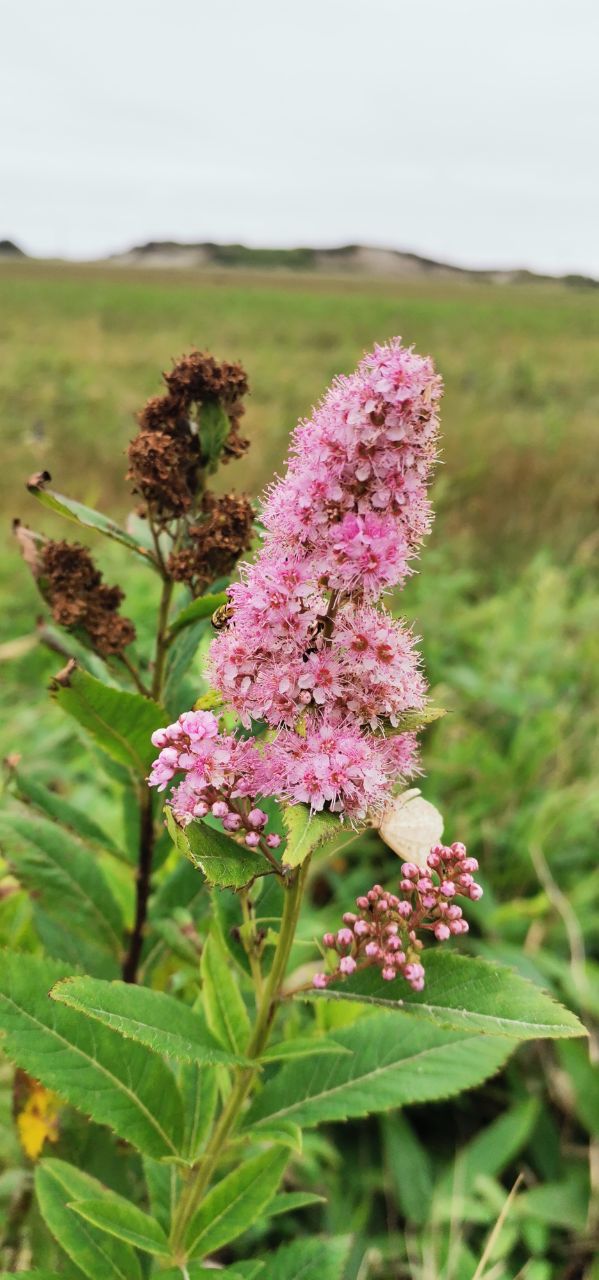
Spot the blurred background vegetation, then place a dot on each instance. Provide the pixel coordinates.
(507, 608)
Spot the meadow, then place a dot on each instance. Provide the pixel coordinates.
(507, 607)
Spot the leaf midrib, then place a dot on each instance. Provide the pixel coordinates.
(74, 883)
(450, 1013)
(359, 1080)
(123, 1088)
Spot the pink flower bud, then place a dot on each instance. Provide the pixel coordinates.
(362, 903)
(424, 884)
(475, 892)
(201, 809)
(347, 965)
(257, 818)
(319, 980)
(404, 910)
(470, 864)
(410, 870)
(349, 917)
(388, 973)
(433, 860)
(372, 950)
(232, 822)
(458, 849)
(329, 939)
(273, 840)
(361, 929)
(448, 889)
(407, 886)
(220, 809)
(345, 938)
(442, 932)
(252, 839)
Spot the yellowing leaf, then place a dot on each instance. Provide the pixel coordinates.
(36, 1115)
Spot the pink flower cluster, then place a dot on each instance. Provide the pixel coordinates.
(307, 651)
(354, 496)
(384, 932)
(219, 776)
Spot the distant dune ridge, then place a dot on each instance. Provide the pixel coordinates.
(348, 260)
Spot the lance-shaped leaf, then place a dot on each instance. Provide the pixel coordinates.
(55, 806)
(84, 516)
(214, 429)
(118, 1217)
(289, 1201)
(66, 881)
(150, 1017)
(57, 1185)
(121, 723)
(462, 992)
(199, 609)
(312, 1259)
(394, 1061)
(233, 1205)
(223, 862)
(307, 832)
(226, 1013)
(134, 1092)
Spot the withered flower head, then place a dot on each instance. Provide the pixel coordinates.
(78, 598)
(216, 543)
(167, 457)
(164, 470)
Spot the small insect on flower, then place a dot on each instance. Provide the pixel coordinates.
(222, 617)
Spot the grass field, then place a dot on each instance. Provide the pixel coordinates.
(505, 600)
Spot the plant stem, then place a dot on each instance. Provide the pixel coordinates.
(245, 1076)
(142, 884)
(147, 834)
(135, 676)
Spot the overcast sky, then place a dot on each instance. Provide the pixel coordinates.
(462, 129)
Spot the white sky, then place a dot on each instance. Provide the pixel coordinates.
(462, 129)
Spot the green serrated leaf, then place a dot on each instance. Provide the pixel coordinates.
(233, 1205)
(413, 720)
(199, 1090)
(121, 723)
(223, 862)
(313, 1259)
(289, 1201)
(395, 1060)
(307, 832)
(133, 1093)
(66, 881)
(85, 517)
(301, 1047)
(150, 1017)
(284, 1133)
(118, 1217)
(57, 1185)
(199, 609)
(55, 806)
(226, 1013)
(467, 993)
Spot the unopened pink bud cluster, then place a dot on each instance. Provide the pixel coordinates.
(219, 777)
(385, 930)
(307, 650)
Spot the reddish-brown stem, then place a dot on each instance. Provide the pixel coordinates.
(143, 885)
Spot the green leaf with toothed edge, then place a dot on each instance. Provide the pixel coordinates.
(199, 609)
(307, 832)
(311, 1259)
(118, 1217)
(66, 882)
(132, 1092)
(55, 806)
(86, 517)
(233, 1205)
(121, 723)
(153, 1018)
(57, 1186)
(226, 1014)
(394, 1061)
(461, 992)
(224, 862)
